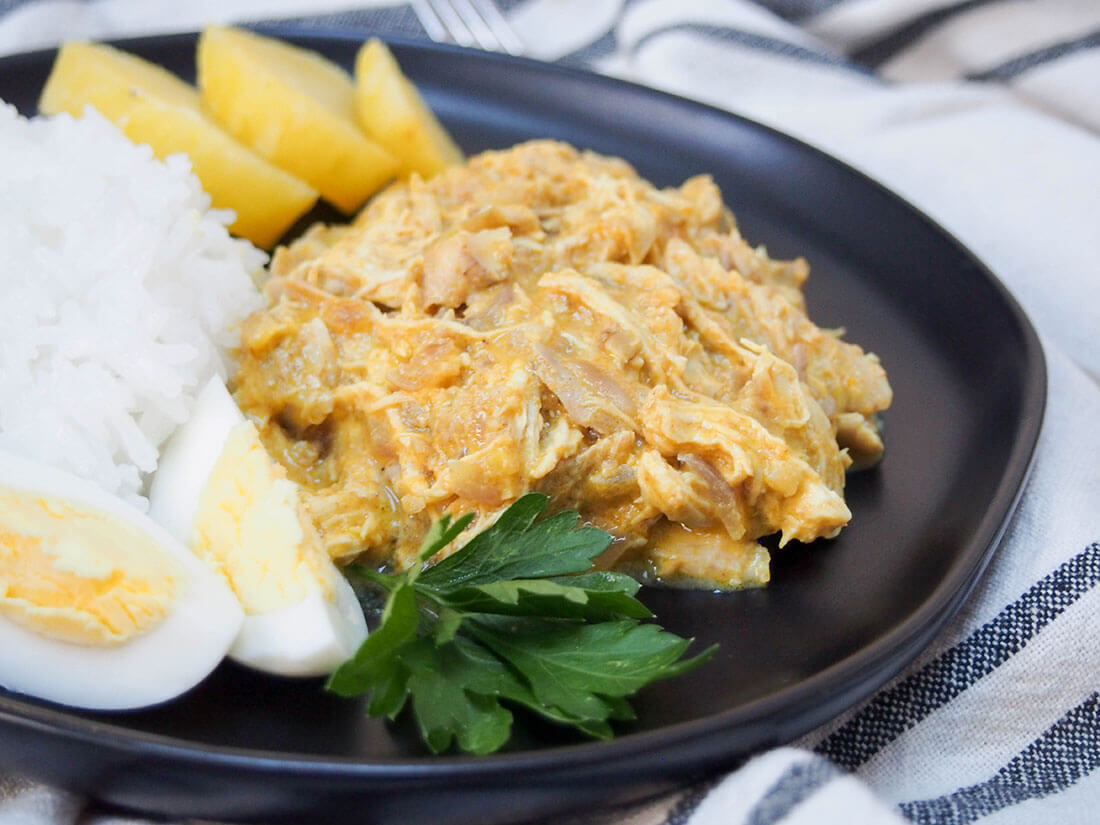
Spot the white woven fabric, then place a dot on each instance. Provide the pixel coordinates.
(983, 113)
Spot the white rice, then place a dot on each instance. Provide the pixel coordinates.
(120, 296)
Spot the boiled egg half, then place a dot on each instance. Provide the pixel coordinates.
(217, 489)
(99, 606)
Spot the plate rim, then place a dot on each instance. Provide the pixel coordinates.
(901, 644)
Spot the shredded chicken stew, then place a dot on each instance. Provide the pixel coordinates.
(544, 319)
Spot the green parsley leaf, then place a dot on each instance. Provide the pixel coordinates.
(575, 667)
(390, 691)
(484, 673)
(442, 533)
(515, 617)
(593, 599)
(515, 548)
(444, 710)
(373, 663)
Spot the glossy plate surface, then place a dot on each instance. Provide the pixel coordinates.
(839, 618)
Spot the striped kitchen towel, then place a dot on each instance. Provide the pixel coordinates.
(986, 115)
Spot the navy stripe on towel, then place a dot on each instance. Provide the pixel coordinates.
(1011, 69)
(894, 711)
(797, 9)
(1069, 750)
(751, 40)
(689, 803)
(12, 5)
(603, 46)
(795, 786)
(878, 52)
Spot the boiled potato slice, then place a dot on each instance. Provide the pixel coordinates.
(296, 109)
(392, 112)
(153, 106)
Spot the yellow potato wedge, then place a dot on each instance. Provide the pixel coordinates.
(151, 105)
(392, 112)
(295, 108)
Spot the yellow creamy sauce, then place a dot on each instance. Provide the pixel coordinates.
(544, 319)
(73, 573)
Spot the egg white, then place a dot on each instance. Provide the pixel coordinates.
(307, 637)
(157, 665)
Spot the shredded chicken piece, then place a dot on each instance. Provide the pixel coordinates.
(544, 319)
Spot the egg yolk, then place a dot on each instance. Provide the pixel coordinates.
(252, 528)
(73, 573)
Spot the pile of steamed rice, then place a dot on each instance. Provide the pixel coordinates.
(122, 293)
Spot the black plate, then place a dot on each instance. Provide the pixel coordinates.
(839, 617)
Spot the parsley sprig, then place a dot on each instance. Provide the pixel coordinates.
(516, 617)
